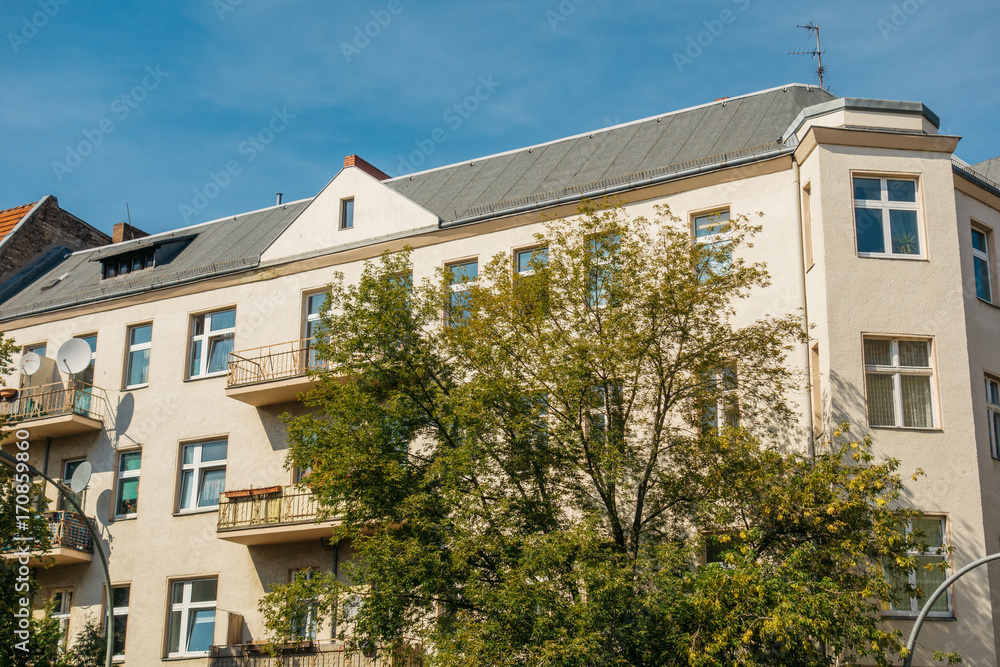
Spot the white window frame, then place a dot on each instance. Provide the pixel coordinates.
(897, 372)
(62, 614)
(344, 218)
(198, 468)
(530, 252)
(983, 256)
(311, 620)
(727, 400)
(185, 607)
(64, 505)
(460, 286)
(993, 413)
(933, 551)
(137, 347)
(117, 612)
(722, 217)
(203, 342)
(599, 258)
(125, 475)
(884, 205)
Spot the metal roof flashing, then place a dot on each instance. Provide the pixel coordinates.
(860, 104)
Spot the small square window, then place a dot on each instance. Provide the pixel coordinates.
(347, 213)
(886, 217)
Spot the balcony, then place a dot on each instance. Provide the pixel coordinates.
(271, 515)
(71, 541)
(271, 374)
(316, 653)
(55, 410)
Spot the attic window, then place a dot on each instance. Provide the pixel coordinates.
(130, 263)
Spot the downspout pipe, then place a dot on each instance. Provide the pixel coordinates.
(805, 308)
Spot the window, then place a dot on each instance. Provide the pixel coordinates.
(83, 396)
(898, 384)
(140, 341)
(993, 412)
(981, 264)
(926, 580)
(212, 337)
(722, 409)
(712, 231)
(605, 412)
(192, 617)
(62, 603)
(306, 621)
(525, 261)
(38, 349)
(816, 391)
(460, 276)
(87, 375)
(124, 264)
(347, 213)
(119, 611)
(314, 304)
(203, 474)
(885, 216)
(127, 493)
(69, 467)
(718, 543)
(601, 269)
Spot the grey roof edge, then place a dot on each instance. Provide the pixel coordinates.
(25, 218)
(632, 184)
(860, 104)
(162, 282)
(969, 173)
(723, 101)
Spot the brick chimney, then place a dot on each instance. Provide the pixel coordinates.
(126, 232)
(368, 168)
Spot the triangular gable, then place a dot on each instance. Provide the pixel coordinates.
(379, 212)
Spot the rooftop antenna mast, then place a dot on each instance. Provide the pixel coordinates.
(818, 53)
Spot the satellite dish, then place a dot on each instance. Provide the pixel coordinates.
(30, 363)
(81, 476)
(73, 356)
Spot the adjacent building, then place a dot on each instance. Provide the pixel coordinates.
(200, 340)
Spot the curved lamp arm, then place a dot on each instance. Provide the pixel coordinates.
(912, 642)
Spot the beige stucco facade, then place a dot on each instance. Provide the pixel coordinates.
(929, 296)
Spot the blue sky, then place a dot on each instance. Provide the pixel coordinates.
(194, 110)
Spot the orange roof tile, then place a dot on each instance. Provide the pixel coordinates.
(11, 217)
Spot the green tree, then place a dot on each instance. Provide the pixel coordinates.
(529, 465)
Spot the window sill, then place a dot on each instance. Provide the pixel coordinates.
(129, 517)
(911, 616)
(201, 510)
(135, 386)
(193, 656)
(885, 255)
(988, 303)
(915, 429)
(208, 376)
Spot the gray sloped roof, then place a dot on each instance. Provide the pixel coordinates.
(990, 169)
(727, 126)
(214, 248)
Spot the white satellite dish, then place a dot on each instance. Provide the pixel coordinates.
(81, 477)
(30, 363)
(73, 356)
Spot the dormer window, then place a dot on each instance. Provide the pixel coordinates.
(124, 264)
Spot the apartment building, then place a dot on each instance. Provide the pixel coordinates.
(872, 228)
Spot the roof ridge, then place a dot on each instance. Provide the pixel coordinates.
(659, 116)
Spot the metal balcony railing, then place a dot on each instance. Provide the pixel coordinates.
(270, 506)
(56, 399)
(272, 362)
(311, 654)
(69, 530)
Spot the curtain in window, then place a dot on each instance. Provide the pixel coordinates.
(213, 483)
(916, 401)
(881, 411)
(928, 581)
(218, 353)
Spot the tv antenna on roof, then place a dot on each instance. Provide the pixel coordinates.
(818, 53)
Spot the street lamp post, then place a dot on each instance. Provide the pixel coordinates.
(11, 462)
